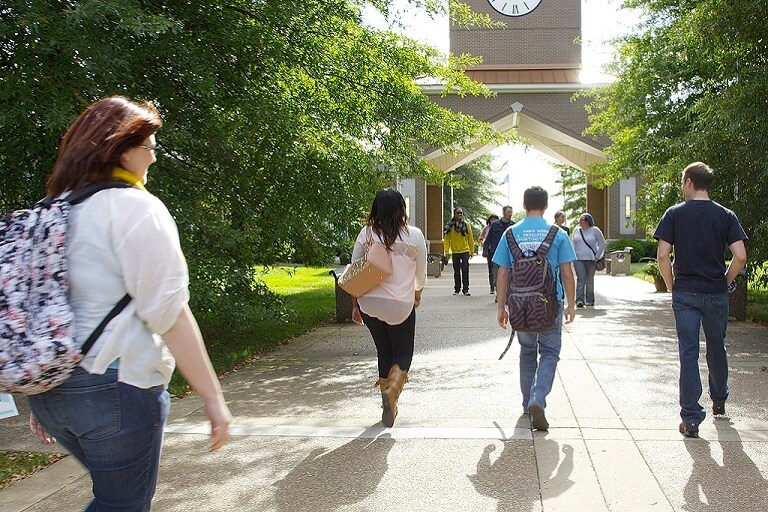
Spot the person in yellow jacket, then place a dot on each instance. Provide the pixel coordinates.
(458, 240)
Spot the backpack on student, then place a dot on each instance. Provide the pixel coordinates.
(38, 350)
(532, 289)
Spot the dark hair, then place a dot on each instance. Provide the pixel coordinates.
(505, 207)
(701, 175)
(491, 218)
(589, 218)
(387, 217)
(93, 144)
(535, 198)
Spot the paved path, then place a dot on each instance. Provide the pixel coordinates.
(308, 437)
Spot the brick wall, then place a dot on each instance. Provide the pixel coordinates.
(544, 36)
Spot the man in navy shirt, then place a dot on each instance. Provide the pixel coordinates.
(700, 230)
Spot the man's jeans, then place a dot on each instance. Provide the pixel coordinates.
(114, 429)
(494, 275)
(692, 312)
(585, 281)
(537, 374)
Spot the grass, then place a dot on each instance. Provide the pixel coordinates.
(757, 296)
(309, 298)
(16, 465)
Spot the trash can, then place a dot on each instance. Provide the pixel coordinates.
(737, 301)
(620, 261)
(343, 299)
(434, 264)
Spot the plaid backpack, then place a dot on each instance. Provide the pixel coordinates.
(532, 289)
(38, 350)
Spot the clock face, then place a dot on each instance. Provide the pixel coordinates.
(514, 7)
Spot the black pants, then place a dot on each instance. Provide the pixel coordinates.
(491, 280)
(394, 343)
(461, 272)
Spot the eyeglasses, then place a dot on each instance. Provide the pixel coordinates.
(151, 148)
(459, 213)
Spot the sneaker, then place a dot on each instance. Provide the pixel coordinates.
(455, 293)
(590, 304)
(689, 429)
(718, 407)
(467, 294)
(492, 292)
(538, 419)
(579, 304)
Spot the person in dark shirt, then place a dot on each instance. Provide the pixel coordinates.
(492, 240)
(700, 230)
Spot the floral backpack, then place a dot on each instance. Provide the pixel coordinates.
(38, 349)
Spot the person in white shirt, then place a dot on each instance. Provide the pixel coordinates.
(389, 310)
(110, 414)
(589, 244)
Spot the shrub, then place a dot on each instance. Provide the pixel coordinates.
(640, 248)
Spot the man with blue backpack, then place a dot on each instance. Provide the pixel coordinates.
(535, 273)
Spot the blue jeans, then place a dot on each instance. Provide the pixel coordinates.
(539, 354)
(585, 281)
(694, 311)
(114, 429)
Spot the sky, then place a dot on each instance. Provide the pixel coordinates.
(601, 20)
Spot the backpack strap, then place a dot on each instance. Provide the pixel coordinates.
(100, 328)
(547, 243)
(83, 193)
(517, 254)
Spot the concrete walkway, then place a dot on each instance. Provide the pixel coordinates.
(308, 435)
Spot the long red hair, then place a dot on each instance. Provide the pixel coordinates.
(92, 146)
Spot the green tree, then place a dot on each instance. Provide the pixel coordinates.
(279, 117)
(691, 86)
(573, 190)
(473, 189)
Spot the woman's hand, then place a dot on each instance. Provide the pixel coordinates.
(39, 432)
(356, 316)
(417, 298)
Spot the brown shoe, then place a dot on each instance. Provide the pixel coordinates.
(390, 392)
(538, 418)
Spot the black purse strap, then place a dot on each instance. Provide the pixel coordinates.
(100, 328)
(585, 241)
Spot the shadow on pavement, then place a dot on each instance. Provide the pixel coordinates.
(329, 480)
(736, 484)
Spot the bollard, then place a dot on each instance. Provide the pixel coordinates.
(343, 300)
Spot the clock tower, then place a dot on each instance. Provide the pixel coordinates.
(539, 44)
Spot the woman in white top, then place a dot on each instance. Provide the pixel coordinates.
(389, 310)
(589, 244)
(111, 412)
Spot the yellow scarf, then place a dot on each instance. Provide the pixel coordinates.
(128, 177)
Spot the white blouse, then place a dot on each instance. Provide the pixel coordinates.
(392, 300)
(124, 240)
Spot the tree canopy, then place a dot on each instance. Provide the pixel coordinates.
(281, 119)
(691, 86)
(473, 189)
